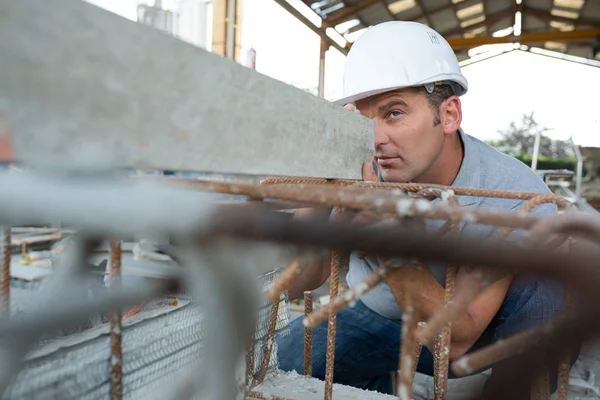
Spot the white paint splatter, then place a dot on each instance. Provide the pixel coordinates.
(464, 365)
(469, 217)
(422, 205)
(361, 288)
(403, 392)
(446, 194)
(403, 207)
(407, 363)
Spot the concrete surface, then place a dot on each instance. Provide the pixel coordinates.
(80, 84)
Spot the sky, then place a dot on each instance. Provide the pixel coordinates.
(563, 95)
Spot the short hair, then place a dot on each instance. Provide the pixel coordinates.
(439, 94)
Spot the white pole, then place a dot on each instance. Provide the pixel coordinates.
(536, 150)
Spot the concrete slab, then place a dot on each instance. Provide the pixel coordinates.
(292, 385)
(79, 83)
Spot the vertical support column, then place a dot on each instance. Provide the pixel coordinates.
(324, 48)
(116, 365)
(5, 257)
(227, 28)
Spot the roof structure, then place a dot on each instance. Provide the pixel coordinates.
(567, 26)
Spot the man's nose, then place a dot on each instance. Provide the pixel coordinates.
(381, 135)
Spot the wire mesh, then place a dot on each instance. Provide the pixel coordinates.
(157, 345)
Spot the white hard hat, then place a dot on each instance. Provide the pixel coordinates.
(398, 54)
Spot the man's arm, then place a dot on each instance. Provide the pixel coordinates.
(420, 288)
(427, 295)
(315, 271)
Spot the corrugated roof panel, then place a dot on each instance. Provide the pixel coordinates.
(424, 22)
(533, 24)
(563, 13)
(444, 21)
(498, 16)
(472, 21)
(474, 32)
(501, 24)
(562, 26)
(410, 14)
(541, 4)
(434, 4)
(494, 6)
(399, 6)
(569, 4)
(591, 9)
(376, 14)
(470, 11)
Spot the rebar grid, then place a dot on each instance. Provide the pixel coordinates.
(198, 222)
(540, 386)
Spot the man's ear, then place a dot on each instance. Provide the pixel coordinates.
(451, 115)
(368, 172)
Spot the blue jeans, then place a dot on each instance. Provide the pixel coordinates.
(368, 345)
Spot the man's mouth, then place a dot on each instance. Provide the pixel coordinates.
(385, 161)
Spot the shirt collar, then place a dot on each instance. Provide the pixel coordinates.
(468, 174)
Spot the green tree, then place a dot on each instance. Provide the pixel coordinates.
(519, 139)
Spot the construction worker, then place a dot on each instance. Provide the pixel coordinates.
(406, 78)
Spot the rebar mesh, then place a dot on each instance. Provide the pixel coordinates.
(157, 345)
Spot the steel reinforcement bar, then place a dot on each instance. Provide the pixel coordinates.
(134, 207)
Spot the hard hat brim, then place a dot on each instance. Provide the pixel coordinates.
(460, 88)
(360, 96)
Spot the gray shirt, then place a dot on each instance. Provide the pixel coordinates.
(482, 167)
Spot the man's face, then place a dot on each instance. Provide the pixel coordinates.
(406, 141)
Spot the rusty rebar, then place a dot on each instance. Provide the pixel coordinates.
(409, 350)
(116, 356)
(540, 385)
(269, 341)
(480, 281)
(336, 259)
(351, 295)
(368, 198)
(246, 189)
(577, 223)
(289, 275)
(308, 340)
(5, 256)
(394, 241)
(250, 363)
(504, 349)
(398, 241)
(443, 343)
(564, 364)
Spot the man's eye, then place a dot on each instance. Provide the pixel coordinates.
(395, 114)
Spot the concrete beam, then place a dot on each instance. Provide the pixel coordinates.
(79, 82)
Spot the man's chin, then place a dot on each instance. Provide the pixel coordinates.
(393, 176)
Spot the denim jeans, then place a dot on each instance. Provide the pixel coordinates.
(368, 345)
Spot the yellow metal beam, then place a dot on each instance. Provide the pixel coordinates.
(533, 37)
